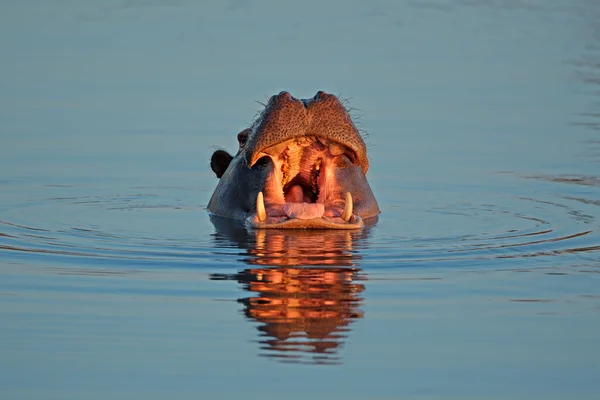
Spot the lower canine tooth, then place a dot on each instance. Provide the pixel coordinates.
(261, 214)
(348, 208)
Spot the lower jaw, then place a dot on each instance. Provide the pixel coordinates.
(355, 222)
(304, 215)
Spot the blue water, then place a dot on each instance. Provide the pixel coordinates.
(479, 280)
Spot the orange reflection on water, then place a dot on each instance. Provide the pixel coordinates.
(302, 310)
(306, 291)
(303, 248)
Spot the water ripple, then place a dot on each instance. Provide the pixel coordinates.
(90, 227)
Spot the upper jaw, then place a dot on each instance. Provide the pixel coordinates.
(286, 118)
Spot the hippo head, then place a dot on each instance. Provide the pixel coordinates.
(301, 164)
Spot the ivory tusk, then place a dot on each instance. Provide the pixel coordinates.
(348, 208)
(261, 213)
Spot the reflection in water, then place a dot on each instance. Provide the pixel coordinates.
(306, 289)
(303, 313)
(292, 247)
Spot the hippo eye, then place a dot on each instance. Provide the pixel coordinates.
(243, 137)
(263, 162)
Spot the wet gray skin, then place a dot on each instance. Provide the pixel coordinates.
(302, 164)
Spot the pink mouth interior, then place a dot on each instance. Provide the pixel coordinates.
(302, 183)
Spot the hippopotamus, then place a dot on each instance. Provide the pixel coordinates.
(301, 164)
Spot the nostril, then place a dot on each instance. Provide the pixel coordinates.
(285, 95)
(319, 96)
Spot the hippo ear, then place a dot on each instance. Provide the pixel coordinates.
(219, 162)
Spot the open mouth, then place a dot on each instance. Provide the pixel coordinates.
(302, 188)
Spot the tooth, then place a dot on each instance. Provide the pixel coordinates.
(261, 214)
(347, 208)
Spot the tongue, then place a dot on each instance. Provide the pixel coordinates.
(304, 210)
(295, 194)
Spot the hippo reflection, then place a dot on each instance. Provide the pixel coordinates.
(302, 164)
(301, 311)
(306, 287)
